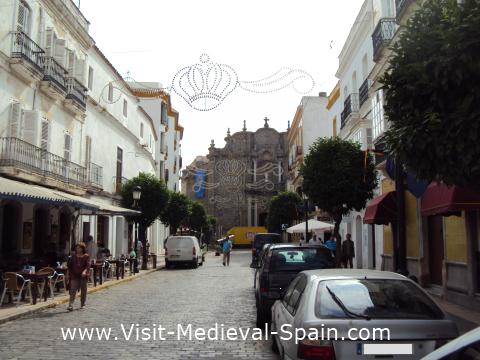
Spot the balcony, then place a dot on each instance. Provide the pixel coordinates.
(95, 176)
(54, 81)
(401, 6)
(351, 106)
(382, 35)
(76, 98)
(27, 59)
(20, 155)
(363, 92)
(118, 182)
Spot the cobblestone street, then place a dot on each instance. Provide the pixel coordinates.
(202, 297)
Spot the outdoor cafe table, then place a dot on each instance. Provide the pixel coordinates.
(97, 269)
(36, 279)
(119, 267)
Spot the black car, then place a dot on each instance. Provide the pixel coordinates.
(280, 264)
(261, 239)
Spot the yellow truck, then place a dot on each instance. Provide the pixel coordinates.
(244, 234)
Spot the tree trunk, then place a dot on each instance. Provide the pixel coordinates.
(142, 234)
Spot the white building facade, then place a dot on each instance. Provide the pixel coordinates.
(356, 62)
(72, 129)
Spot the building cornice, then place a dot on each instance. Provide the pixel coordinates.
(333, 97)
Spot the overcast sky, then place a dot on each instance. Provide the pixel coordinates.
(153, 40)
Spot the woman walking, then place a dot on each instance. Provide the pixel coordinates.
(78, 270)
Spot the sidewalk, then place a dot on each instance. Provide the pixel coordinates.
(9, 312)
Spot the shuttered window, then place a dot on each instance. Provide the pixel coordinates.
(45, 135)
(70, 62)
(79, 73)
(68, 147)
(88, 150)
(50, 39)
(15, 120)
(30, 121)
(23, 17)
(59, 51)
(90, 78)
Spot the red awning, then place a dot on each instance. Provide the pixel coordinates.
(440, 199)
(381, 210)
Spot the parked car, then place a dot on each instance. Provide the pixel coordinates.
(281, 263)
(261, 239)
(259, 262)
(183, 249)
(465, 347)
(362, 299)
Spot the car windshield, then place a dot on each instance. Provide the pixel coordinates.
(374, 298)
(293, 259)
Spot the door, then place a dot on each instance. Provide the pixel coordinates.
(40, 231)
(435, 249)
(358, 242)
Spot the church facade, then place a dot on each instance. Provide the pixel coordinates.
(236, 182)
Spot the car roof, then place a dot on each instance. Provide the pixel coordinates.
(267, 234)
(456, 344)
(181, 237)
(324, 274)
(296, 246)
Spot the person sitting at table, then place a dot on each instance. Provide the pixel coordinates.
(78, 270)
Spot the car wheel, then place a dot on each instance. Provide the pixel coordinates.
(167, 264)
(195, 263)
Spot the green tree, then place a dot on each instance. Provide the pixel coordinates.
(176, 212)
(197, 218)
(152, 204)
(338, 177)
(282, 209)
(209, 228)
(432, 90)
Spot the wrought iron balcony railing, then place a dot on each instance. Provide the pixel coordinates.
(76, 92)
(23, 155)
(55, 73)
(95, 175)
(363, 92)
(351, 105)
(27, 49)
(401, 6)
(383, 33)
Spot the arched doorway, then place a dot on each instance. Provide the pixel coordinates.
(65, 225)
(358, 241)
(12, 223)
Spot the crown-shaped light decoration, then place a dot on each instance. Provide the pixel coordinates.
(231, 173)
(204, 86)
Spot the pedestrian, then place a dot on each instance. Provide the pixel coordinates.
(78, 272)
(315, 240)
(227, 248)
(348, 251)
(331, 244)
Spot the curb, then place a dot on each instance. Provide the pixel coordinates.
(40, 306)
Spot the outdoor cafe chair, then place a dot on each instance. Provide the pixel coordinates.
(12, 281)
(59, 278)
(50, 282)
(107, 271)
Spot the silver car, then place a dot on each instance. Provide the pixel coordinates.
(357, 314)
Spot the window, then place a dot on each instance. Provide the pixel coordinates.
(70, 62)
(376, 298)
(23, 17)
(357, 137)
(141, 130)
(118, 177)
(15, 120)
(164, 118)
(67, 152)
(88, 151)
(45, 135)
(125, 109)
(297, 292)
(90, 78)
(377, 114)
(110, 92)
(295, 259)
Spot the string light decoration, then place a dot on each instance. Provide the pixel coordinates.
(205, 85)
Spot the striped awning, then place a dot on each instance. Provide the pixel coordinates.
(19, 191)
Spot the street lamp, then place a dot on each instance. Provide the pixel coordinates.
(136, 194)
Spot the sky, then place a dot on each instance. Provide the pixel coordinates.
(151, 40)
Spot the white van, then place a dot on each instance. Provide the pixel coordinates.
(182, 249)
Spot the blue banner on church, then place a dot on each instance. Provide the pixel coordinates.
(199, 187)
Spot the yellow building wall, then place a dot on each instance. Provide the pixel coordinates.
(411, 224)
(455, 238)
(387, 186)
